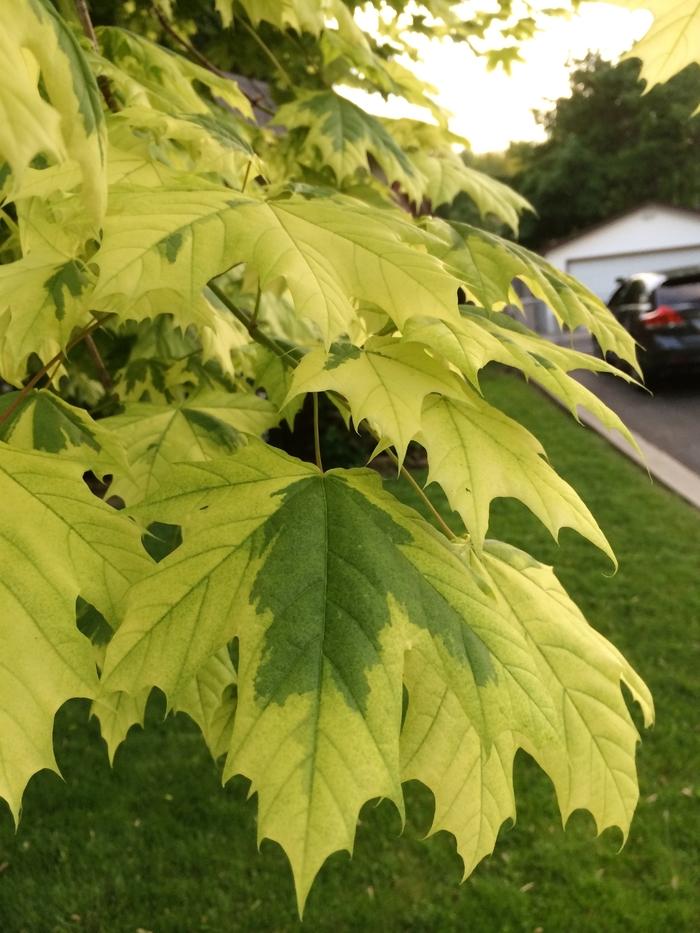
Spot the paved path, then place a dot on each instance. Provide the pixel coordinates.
(670, 419)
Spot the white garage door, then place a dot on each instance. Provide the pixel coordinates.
(600, 274)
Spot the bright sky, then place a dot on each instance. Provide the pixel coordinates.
(491, 109)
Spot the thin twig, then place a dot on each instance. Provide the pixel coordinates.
(288, 356)
(81, 8)
(106, 90)
(317, 434)
(185, 43)
(426, 501)
(102, 371)
(267, 50)
(202, 59)
(257, 102)
(50, 376)
(26, 389)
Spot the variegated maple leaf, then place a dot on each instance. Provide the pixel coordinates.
(69, 544)
(339, 597)
(37, 49)
(330, 252)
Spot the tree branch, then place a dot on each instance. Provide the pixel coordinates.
(245, 177)
(256, 309)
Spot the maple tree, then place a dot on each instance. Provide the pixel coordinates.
(176, 277)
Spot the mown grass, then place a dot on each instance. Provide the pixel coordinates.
(155, 844)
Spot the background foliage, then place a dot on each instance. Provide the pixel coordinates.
(609, 148)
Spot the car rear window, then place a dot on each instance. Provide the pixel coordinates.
(679, 293)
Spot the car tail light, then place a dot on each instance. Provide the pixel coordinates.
(663, 316)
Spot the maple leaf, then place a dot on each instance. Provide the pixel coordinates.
(301, 15)
(83, 548)
(589, 755)
(480, 337)
(40, 420)
(671, 42)
(338, 596)
(488, 264)
(341, 135)
(447, 176)
(476, 453)
(330, 252)
(274, 378)
(130, 159)
(196, 143)
(42, 300)
(350, 60)
(386, 382)
(167, 363)
(66, 121)
(430, 150)
(117, 713)
(207, 699)
(164, 78)
(207, 425)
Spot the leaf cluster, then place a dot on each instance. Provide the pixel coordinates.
(179, 274)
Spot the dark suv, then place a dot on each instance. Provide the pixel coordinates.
(662, 312)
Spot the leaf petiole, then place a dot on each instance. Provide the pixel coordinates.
(426, 501)
(267, 50)
(250, 324)
(317, 434)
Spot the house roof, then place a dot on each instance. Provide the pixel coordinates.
(608, 222)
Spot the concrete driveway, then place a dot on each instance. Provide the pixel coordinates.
(669, 419)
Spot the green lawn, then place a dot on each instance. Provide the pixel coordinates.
(155, 844)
